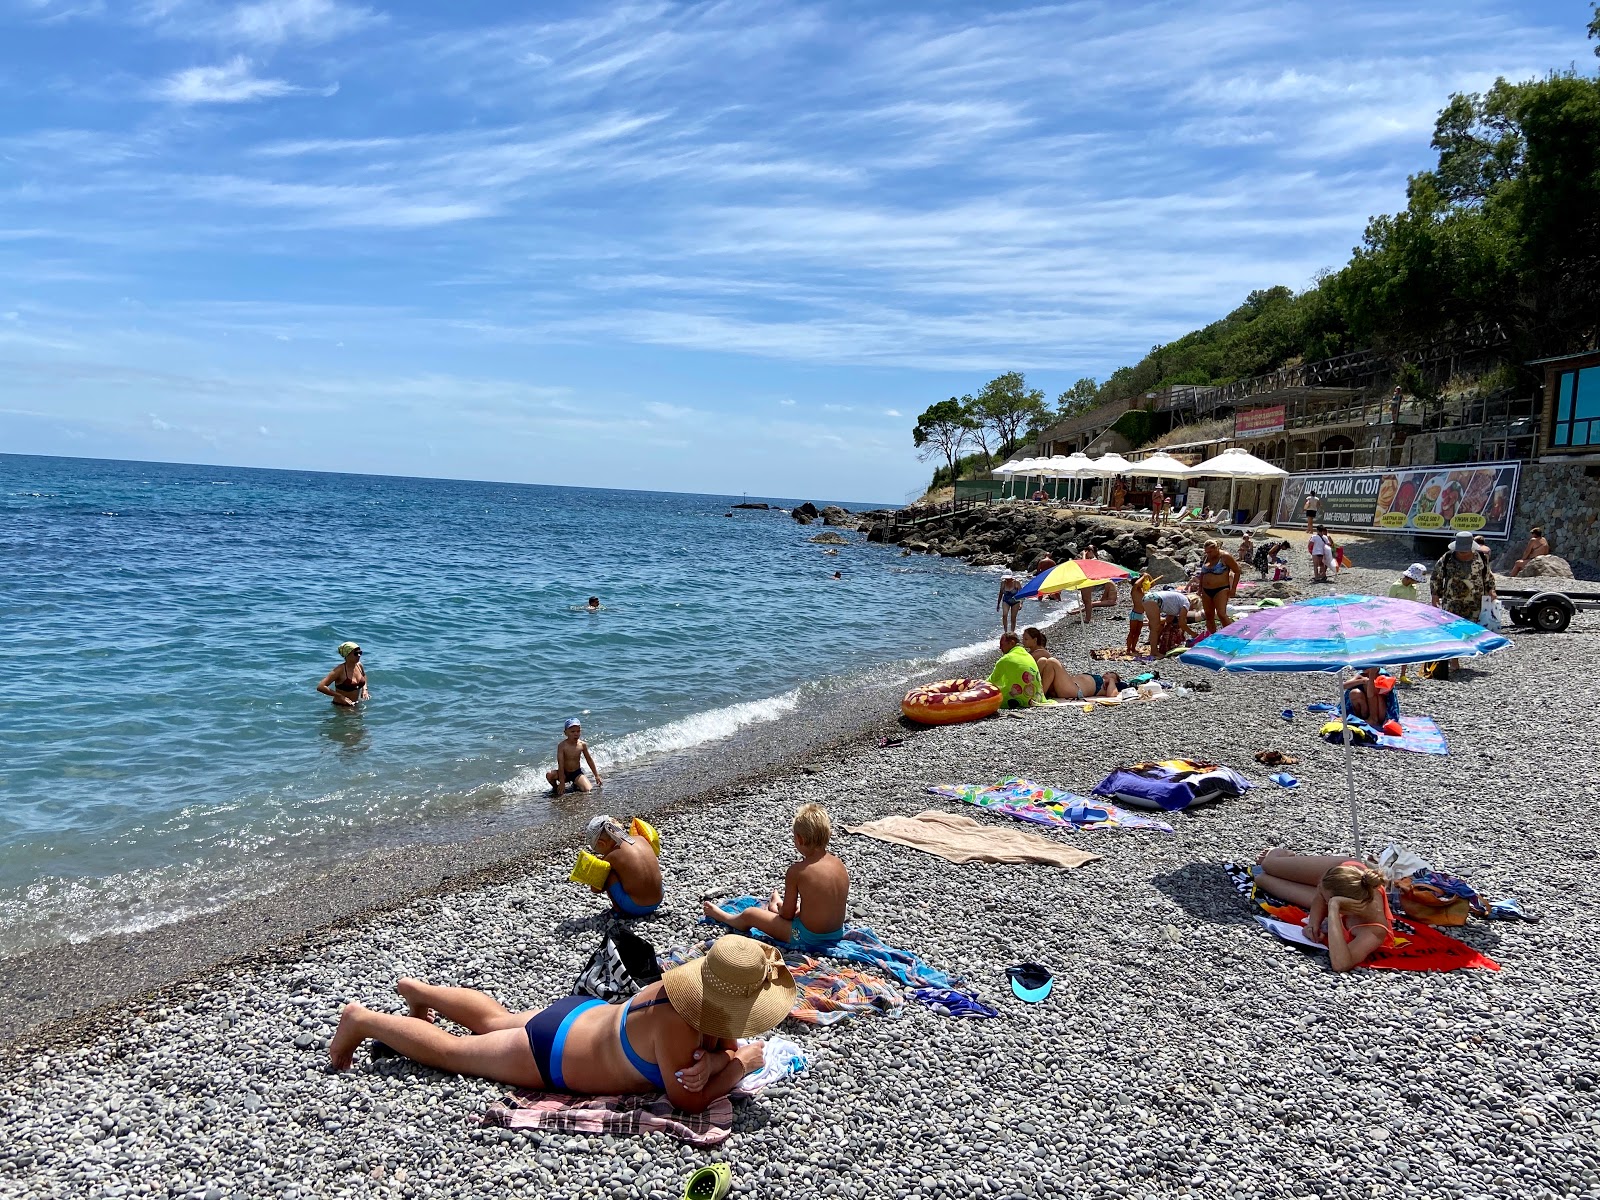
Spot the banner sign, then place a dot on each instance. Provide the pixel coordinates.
(1253, 422)
(1475, 497)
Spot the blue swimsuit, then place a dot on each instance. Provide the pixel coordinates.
(626, 904)
(547, 1038)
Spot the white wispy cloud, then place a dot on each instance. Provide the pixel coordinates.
(232, 82)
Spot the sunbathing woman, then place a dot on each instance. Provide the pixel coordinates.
(1219, 576)
(1336, 892)
(679, 1036)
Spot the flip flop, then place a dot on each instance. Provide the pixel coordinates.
(1285, 780)
(709, 1183)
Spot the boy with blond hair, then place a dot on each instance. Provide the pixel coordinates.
(810, 910)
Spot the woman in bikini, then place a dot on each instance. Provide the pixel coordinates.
(1337, 893)
(346, 683)
(1219, 576)
(1058, 682)
(1007, 604)
(679, 1036)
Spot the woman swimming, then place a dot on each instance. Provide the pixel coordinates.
(346, 683)
(1337, 893)
(679, 1036)
(1219, 576)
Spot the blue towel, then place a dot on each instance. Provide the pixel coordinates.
(952, 1003)
(858, 944)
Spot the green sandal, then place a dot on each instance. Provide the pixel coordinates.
(709, 1183)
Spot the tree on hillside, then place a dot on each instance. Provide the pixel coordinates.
(1007, 406)
(1080, 397)
(943, 428)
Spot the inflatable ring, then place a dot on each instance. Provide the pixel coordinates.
(951, 701)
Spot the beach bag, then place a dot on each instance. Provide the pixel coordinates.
(1488, 616)
(621, 965)
(1360, 732)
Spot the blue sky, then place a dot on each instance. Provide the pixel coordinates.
(731, 246)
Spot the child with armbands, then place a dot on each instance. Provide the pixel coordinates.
(624, 864)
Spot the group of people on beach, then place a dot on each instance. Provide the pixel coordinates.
(680, 1036)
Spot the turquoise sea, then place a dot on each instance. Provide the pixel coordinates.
(163, 750)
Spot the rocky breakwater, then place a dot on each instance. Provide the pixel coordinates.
(830, 514)
(1015, 537)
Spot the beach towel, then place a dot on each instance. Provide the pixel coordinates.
(1416, 947)
(1422, 736)
(958, 838)
(619, 1116)
(948, 1002)
(827, 995)
(784, 1060)
(1017, 677)
(858, 944)
(1172, 784)
(1024, 800)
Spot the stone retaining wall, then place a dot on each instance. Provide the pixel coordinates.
(1565, 500)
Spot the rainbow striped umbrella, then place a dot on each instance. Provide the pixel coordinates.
(1072, 576)
(1342, 633)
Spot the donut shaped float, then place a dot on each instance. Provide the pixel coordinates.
(951, 701)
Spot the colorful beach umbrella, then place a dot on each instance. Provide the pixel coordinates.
(1342, 633)
(1073, 575)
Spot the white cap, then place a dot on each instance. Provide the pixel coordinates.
(572, 723)
(1416, 572)
(604, 826)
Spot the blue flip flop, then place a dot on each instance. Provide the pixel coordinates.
(1284, 780)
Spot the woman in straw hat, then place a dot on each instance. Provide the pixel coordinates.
(679, 1036)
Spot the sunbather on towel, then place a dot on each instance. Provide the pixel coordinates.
(1337, 892)
(1362, 699)
(811, 909)
(678, 1036)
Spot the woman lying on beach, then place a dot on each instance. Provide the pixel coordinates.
(1060, 683)
(1336, 892)
(679, 1036)
(346, 683)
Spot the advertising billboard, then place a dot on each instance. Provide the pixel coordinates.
(1475, 497)
(1254, 422)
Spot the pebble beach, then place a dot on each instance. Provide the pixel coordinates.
(1183, 1051)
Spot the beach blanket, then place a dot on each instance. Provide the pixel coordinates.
(958, 838)
(1017, 677)
(828, 994)
(1422, 736)
(1172, 784)
(1024, 800)
(619, 1116)
(858, 944)
(1417, 947)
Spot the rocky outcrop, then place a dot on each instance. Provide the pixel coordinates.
(761, 507)
(1165, 570)
(830, 538)
(1016, 536)
(832, 514)
(1547, 566)
(805, 513)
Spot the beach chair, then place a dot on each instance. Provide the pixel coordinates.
(1255, 526)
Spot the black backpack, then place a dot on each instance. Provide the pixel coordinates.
(620, 966)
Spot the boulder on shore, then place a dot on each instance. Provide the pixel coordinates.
(1164, 569)
(830, 538)
(1547, 566)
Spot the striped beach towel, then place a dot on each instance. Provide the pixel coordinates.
(620, 1116)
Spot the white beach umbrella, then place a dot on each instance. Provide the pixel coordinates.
(1236, 463)
(1162, 465)
(1110, 464)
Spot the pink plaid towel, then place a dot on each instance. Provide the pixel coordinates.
(617, 1115)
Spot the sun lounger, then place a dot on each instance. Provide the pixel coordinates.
(1261, 522)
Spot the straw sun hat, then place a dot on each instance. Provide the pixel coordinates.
(739, 989)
